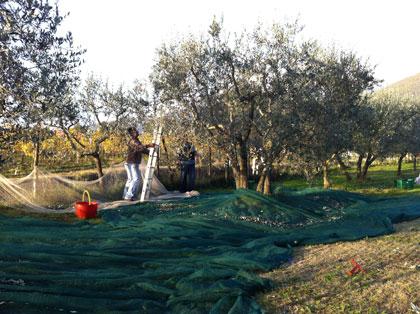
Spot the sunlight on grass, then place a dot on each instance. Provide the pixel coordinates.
(316, 280)
(380, 181)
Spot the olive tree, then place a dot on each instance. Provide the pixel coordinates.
(335, 87)
(278, 66)
(37, 67)
(405, 138)
(378, 121)
(101, 112)
(211, 79)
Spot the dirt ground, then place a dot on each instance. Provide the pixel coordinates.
(316, 281)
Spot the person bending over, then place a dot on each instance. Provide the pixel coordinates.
(132, 165)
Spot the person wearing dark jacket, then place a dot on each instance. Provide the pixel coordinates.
(135, 149)
(186, 157)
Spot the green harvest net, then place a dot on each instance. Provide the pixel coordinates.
(200, 255)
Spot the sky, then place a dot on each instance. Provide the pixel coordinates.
(121, 37)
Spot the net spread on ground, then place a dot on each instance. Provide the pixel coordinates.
(195, 255)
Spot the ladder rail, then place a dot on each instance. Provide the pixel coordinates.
(151, 165)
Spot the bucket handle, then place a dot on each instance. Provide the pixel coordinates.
(86, 192)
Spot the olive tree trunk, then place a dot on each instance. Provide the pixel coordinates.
(261, 180)
(368, 162)
(210, 163)
(36, 154)
(343, 167)
(227, 171)
(98, 163)
(264, 181)
(35, 168)
(327, 183)
(267, 184)
(400, 160)
(241, 177)
(359, 166)
(240, 166)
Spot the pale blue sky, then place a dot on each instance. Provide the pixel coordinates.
(121, 36)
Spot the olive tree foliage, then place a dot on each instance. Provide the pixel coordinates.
(334, 88)
(232, 89)
(378, 122)
(405, 138)
(37, 67)
(414, 134)
(278, 71)
(178, 127)
(102, 111)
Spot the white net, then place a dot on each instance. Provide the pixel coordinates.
(42, 191)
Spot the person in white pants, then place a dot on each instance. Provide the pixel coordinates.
(132, 165)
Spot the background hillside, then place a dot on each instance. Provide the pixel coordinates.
(409, 86)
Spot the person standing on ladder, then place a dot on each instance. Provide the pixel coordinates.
(132, 165)
(186, 156)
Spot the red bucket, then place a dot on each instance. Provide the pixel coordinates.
(86, 210)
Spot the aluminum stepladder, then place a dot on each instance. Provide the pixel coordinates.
(151, 164)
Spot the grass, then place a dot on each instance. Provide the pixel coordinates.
(380, 181)
(316, 280)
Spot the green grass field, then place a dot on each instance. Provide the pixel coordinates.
(380, 181)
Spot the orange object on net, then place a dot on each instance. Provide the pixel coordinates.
(86, 210)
